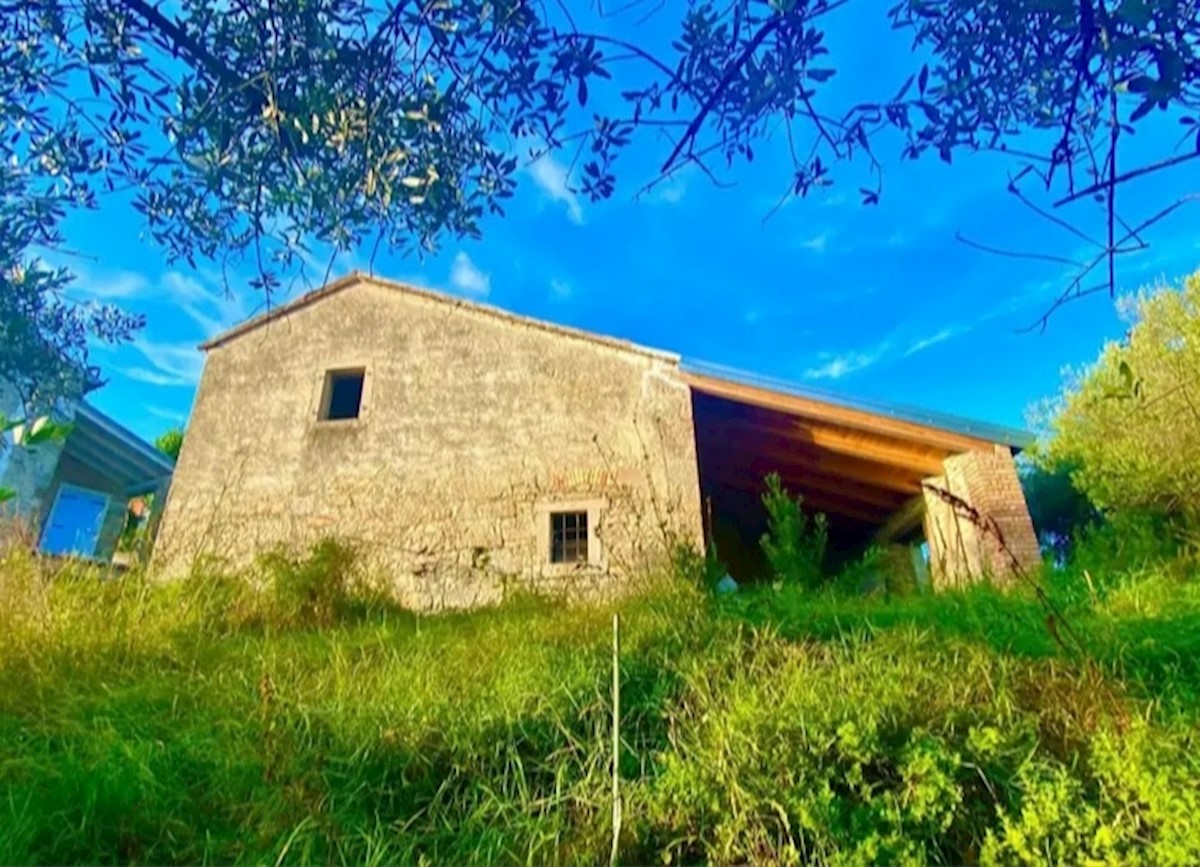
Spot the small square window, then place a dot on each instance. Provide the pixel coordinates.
(568, 537)
(343, 395)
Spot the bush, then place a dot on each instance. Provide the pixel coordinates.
(316, 588)
(696, 569)
(1124, 547)
(1129, 427)
(794, 544)
(1059, 510)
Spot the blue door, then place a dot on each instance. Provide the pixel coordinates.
(73, 526)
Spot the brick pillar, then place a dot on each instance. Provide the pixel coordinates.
(960, 549)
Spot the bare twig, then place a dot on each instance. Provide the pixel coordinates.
(1072, 291)
(1127, 176)
(1058, 221)
(1016, 254)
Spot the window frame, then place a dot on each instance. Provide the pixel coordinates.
(543, 530)
(325, 394)
(575, 533)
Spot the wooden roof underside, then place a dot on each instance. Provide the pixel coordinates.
(852, 464)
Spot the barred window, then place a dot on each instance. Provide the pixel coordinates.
(568, 537)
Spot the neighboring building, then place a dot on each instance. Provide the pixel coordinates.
(462, 448)
(73, 495)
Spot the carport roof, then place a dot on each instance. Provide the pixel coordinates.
(768, 391)
(116, 452)
(862, 461)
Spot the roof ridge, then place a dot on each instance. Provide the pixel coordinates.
(356, 276)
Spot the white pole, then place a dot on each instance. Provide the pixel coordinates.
(616, 738)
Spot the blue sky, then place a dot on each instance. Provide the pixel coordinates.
(877, 302)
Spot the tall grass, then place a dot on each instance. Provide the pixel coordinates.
(311, 721)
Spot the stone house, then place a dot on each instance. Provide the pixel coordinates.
(73, 495)
(464, 449)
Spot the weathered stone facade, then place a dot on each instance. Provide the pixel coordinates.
(29, 472)
(977, 523)
(475, 425)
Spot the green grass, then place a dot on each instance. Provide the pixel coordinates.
(205, 722)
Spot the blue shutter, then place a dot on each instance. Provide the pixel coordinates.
(74, 523)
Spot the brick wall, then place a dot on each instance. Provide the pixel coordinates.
(475, 424)
(997, 538)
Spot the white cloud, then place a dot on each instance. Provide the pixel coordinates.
(671, 194)
(214, 310)
(466, 276)
(924, 343)
(151, 377)
(171, 364)
(108, 287)
(554, 180)
(561, 288)
(817, 243)
(167, 414)
(837, 365)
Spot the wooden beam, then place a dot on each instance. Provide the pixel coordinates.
(903, 521)
(867, 495)
(779, 439)
(803, 407)
(820, 501)
(809, 460)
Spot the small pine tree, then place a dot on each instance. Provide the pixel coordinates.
(794, 544)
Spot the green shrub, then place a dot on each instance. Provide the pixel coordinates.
(794, 543)
(1128, 426)
(1113, 552)
(865, 575)
(318, 587)
(696, 569)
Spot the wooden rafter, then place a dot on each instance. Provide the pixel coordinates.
(810, 460)
(810, 480)
(803, 407)
(788, 435)
(826, 501)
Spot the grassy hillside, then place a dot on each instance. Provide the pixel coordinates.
(312, 722)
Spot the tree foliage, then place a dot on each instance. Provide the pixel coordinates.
(170, 442)
(1131, 424)
(1060, 511)
(251, 131)
(1080, 76)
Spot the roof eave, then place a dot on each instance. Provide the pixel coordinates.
(146, 452)
(1016, 440)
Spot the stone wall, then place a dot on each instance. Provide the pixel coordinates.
(28, 471)
(983, 528)
(475, 424)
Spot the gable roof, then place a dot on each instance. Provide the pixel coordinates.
(355, 278)
(700, 375)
